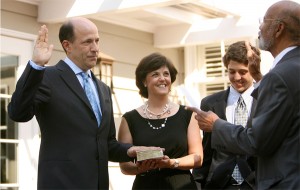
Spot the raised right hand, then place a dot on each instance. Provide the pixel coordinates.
(253, 62)
(42, 50)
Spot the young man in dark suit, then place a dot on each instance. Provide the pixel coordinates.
(273, 134)
(218, 166)
(76, 141)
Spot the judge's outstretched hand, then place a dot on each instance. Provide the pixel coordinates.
(253, 63)
(205, 120)
(42, 50)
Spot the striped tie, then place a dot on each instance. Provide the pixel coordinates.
(240, 118)
(91, 96)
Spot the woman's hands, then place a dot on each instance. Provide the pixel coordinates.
(146, 165)
(152, 164)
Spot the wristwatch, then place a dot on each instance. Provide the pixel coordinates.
(176, 163)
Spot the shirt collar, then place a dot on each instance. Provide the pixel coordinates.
(246, 95)
(281, 54)
(74, 67)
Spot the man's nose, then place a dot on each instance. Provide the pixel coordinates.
(237, 76)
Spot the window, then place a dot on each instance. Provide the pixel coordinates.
(214, 65)
(104, 69)
(19, 141)
(216, 87)
(215, 71)
(9, 131)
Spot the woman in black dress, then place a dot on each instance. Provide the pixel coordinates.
(162, 123)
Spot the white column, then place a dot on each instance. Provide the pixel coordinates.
(190, 89)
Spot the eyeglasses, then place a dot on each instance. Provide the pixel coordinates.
(262, 20)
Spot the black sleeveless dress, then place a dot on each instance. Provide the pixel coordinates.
(172, 137)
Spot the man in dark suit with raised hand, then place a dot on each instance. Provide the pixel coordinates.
(273, 134)
(77, 134)
(218, 166)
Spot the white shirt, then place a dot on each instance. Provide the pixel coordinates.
(233, 97)
(77, 71)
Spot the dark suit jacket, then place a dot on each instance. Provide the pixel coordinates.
(218, 166)
(274, 135)
(74, 151)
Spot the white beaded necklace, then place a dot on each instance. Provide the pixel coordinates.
(161, 126)
(149, 114)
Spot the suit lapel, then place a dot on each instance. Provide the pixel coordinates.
(71, 80)
(253, 108)
(220, 105)
(254, 93)
(254, 103)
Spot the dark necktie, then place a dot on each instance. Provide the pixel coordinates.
(240, 118)
(91, 96)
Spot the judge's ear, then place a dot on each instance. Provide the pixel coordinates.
(280, 29)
